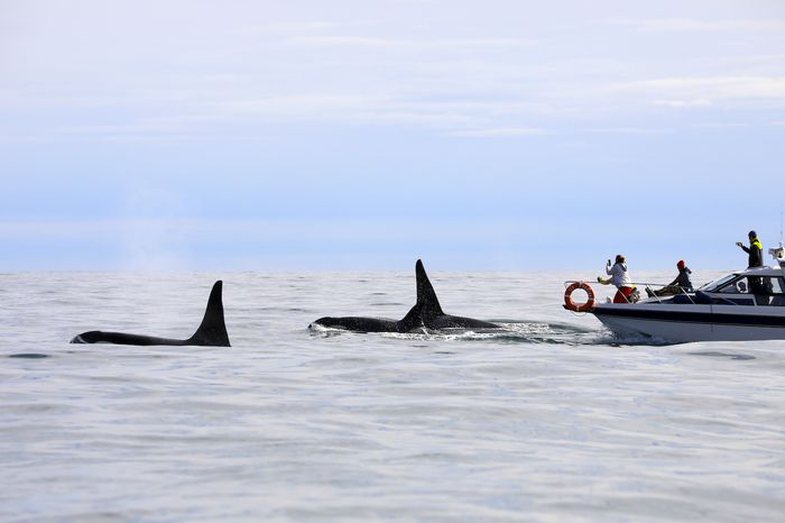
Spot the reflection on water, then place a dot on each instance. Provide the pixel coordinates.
(715, 354)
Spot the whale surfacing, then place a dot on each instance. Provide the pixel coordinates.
(211, 333)
(426, 313)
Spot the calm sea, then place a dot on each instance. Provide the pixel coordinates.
(552, 420)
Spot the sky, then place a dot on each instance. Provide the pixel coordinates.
(362, 135)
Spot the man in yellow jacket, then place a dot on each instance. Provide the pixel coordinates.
(755, 250)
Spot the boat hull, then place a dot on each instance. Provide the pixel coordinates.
(687, 323)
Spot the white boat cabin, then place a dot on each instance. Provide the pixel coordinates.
(758, 286)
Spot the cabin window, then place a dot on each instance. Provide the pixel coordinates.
(735, 286)
(774, 286)
(716, 285)
(771, 291)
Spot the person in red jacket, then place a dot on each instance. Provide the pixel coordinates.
(681, 284)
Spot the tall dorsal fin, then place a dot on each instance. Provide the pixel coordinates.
(212, 331)
(426, 296)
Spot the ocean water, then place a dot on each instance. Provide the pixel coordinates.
(552, 419)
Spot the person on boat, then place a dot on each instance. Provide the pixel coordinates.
(682, 284)
(620, 278)
(755, 250)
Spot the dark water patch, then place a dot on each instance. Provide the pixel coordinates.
(730, 355)
(568, 327)
(611, 339)
(29, 355)
(507, 338)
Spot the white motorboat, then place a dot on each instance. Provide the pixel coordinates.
(744, 305)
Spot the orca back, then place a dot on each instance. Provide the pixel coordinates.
(122, 338)
(211, 333)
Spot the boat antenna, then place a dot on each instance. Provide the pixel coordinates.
(779, 254)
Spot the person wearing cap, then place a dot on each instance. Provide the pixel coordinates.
(755, 250)
(680, 285)
(620, 278)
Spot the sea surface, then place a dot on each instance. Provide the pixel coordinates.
(551, 419)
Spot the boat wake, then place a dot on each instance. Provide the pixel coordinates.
(511, 331)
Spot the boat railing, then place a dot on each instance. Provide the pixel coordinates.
(682, 291)
(678, 290)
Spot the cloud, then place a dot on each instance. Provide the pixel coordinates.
(696, 91)
(134, 234)
(502, 132)
(691, 25)
(224, 75)
(682, 104)
(626, 130)
(721, 125)
(231, 108)
(412, 44)
(290, 28)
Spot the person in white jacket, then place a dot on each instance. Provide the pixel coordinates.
(620, 278)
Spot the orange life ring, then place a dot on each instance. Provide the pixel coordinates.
(583, 307)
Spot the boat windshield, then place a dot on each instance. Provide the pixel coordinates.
(716, 284)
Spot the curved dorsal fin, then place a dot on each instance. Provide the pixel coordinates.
(426, 296)
(412, 320)
(212, 331)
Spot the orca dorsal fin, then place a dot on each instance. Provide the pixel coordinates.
(426, 296)
(212, 331)
(412, 320)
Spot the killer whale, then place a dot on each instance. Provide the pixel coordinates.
(211, 332)
(426, 313)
